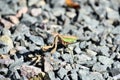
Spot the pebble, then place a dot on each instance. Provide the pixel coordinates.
(81, 58)
(6, 32)
(112, 14)
(117, 39)
(116, 30)
(36, 11)
(74, 76)
(66, 78)
(104, 50)
(32, 2)
(62, 73)
(105, 60)
(28, 18)
(58, 11)
(7, 43)
(50, 75)
(67, 57)
(95, 76)
(91, 52)
(37, 40)
(77, 49)
(71, 14)
(99, 67)
(83, 74)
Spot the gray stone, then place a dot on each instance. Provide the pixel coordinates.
(6, 44)
(6, 32)
(116, 3)
(81, 58)
(109, 39)
(68, 67)
(103, 42)
(56, 55)
(5, 8)
(91, 52)
(95, 76)
(117, 39)
(83, 74)
(99, 67)
(37, 40)
(77, 49)
(58, 11)
(50, 75)
(74, 76)
(116, 64)
(28, 18)
(115, 71)
(62, 73)
(83, 44)
(66, 78)
(32, 2)
(112, 14)
(67, 57)
(57, 3)
(71, 14)
(116, 30)
(105, 74)
(20, 31)
(104, 50)
(105, 60)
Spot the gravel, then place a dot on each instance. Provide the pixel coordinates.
(28, 25)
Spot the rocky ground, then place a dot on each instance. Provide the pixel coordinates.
(27, 25)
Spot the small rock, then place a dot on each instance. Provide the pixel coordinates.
(36, 11)
(95, 76)
(115, 71)
(51, 75)
(57, 3)
(58, 11)
(99, 67)
(68, 67)
(116, 30)
(104, 50)
(21, 12)
(112, 14)
(41, 3)
(77, 49)
(6, 23)
(109, 40)
(47, 66)
(62, 73)
(6, 32)
(105, 60)
(83, 74)
(117, 39)
(28, 18)
(116, 64)
(83, 44)
(37, 40)
(66, 78)
(7, 43)
(67, 57)
(32, 2)
(74, 76)
(81, 58)
(91, 52)
(14, 19)
(71, 14)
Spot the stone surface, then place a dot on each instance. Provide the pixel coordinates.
(37, 40)
(99, 67)
(6, 44)
(105, 60)
(62, 72)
